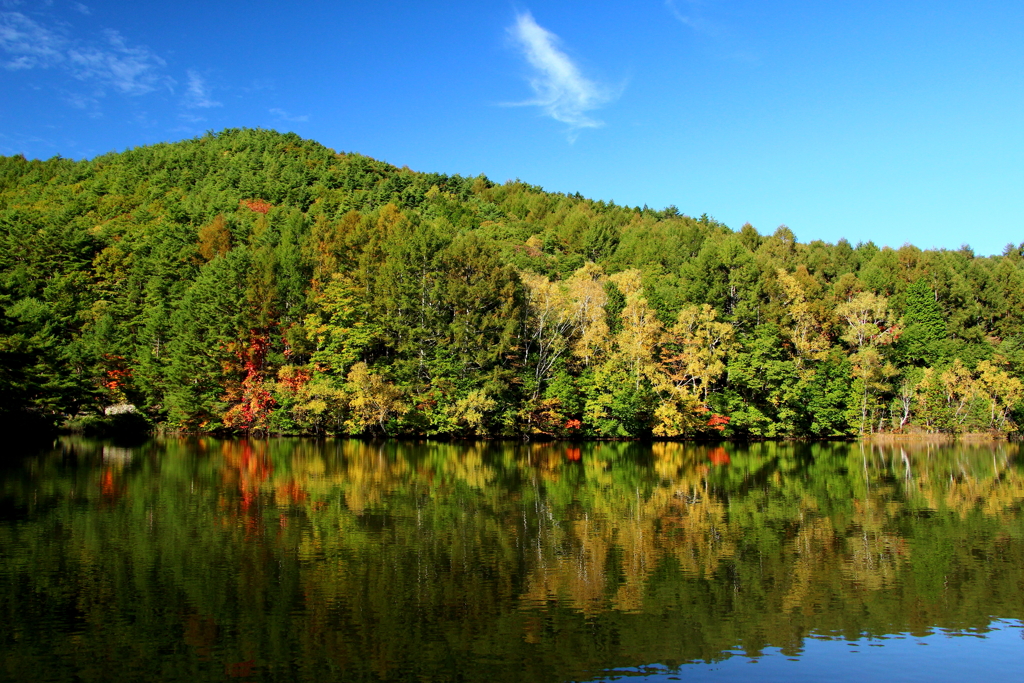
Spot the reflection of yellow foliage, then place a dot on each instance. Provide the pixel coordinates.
(470, 469)
(678, 519)
(594, 540)
(974, 478)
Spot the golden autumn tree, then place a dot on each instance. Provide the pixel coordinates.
(1003, 392)
(550, 323)
(808, 326)
(692, 357)
(866, 315)
(588, 297)
(373, 401)
(214, 238)
(636, 342)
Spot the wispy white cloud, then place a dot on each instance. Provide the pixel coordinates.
(285, 116)
(110, 63)
(79, 7)
(560, 89)
(16, 144)
(80, 101)
(197, 95)
(692, 16)
(130, 70)
(28, 44)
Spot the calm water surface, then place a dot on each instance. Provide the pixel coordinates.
(206, 560)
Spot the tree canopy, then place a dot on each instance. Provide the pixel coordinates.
(256, 282)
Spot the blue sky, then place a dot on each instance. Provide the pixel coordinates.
(886, 121)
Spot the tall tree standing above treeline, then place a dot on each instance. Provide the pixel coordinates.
(255, 282)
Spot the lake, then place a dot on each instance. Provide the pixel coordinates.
(289, 559)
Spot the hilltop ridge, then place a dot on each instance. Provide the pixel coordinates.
(253, 281)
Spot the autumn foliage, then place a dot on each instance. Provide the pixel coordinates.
(718, 422)
(252, 399)
(257, 205)
(256, 283)
(214, 238)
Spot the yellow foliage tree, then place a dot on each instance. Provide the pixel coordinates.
(588, 296)
(1003, 392)
(693, 351)
(636, 342)
(552, 324)
(214, 238)
(692, 357)
(373, 401)
(808, 332)
(866, 316)
(961, 390)
(471, 412)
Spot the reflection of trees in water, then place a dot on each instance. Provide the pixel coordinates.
(823, 531)
(394, 558)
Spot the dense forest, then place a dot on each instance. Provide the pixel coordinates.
(254, 282)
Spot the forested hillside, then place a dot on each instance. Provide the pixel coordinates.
(256, 282)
